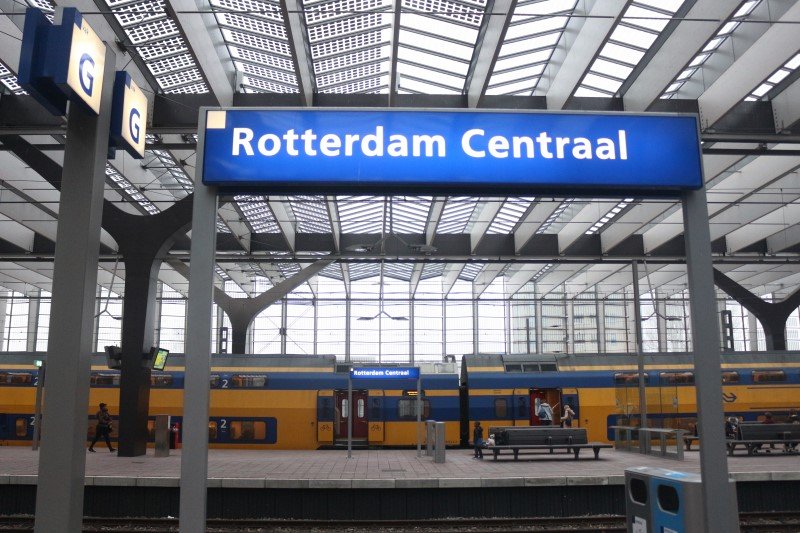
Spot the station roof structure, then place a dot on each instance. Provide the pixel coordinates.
(733, 62)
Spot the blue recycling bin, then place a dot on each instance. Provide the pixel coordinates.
(663, 501)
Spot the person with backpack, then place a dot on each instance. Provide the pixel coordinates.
(103, 428)
(545, 414)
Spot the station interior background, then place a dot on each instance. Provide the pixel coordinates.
(430, 277)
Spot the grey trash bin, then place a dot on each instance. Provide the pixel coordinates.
(663, 501)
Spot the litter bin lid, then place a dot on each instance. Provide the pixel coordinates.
(664, 473)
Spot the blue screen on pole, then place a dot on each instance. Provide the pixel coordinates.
(384, 373)
(449, 151)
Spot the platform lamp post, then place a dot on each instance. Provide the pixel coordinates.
(637, 320)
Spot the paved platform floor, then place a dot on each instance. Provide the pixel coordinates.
(385, 468)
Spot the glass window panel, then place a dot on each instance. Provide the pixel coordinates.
(423, 58)
(612, 69)
(434, 45)
(512, 75)
(601, 82)
(418, 86)
(520, 47)
(633, 36)
(778, 76)
(432, 26)
(664, 5)
(533, 30)
(622, 53)
(513, 88)
(521, 60)
(646, 18)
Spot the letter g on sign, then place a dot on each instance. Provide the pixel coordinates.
(86, 73)
(134, 124)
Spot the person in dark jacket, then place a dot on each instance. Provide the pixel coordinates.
(477, 439)
(103, 428)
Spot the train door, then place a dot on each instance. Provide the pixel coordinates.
(520, 412)
(570, 398)
(376, 418)
(551, 396)
(358, 411)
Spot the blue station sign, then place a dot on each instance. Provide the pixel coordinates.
(385, 373)
(445, 150)
(61, 61)
(128, 116)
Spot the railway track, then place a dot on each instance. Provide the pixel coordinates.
(750, 523)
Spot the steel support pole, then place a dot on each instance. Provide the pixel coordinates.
(349, 416)
(637, 326)
(62, 459)
(194, 456)
(37, 420)
(719, 496)
(419, 415)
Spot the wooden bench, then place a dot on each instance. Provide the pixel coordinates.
(753, 436)
(543, 438)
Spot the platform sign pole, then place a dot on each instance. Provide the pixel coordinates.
(419, 414)
(62, 458)
(719, 496)
(349, 415)
(194, 455)
(37, 420)
(637, 326)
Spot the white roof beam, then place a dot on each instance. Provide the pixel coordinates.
(771, 51)
(701, 22)
(449, 277)
(531, 222)
(201, 31)
(489, 44)
(582, 221)
(518, 279)
(294, 21)
(482, 222)
(485, 278)
(434, 216)
(785, 108)
(285, 219)
(582, 50)
(557, 276)
(778, 220)
(15, 233)
(336, 226)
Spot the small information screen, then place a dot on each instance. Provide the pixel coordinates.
(160, 359)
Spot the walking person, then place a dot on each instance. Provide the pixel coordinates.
(569, 414)
(103, 428)
(545, 414)
(477, 439)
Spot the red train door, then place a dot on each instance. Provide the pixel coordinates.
(551, 396)
(358, 411)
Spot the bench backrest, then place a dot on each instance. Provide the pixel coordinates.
(769, 431)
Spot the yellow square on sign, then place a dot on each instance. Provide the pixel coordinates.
(215, 120)
(87, 58)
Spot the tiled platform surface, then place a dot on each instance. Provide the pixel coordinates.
(331, 469)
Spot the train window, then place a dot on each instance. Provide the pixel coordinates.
(375, 409)
(768, 376)
(407, 409)
(629, 378)
(548, 367)
(530, 367)
(248, 381)
(676, 378)
(16, 377)
(160, 380)
(21, 426)
(500, 408)
(513, 368)
(730, 377)
(248, 430)
(345, 411)
(212, 431)
(214, 381)
(522, 409)
(360, 407)
(99, 378)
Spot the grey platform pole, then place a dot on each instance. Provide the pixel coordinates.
(637, 318)
(194, 457)
(719, 496)
(37, 420)
(62, 458)
(349, 416)
(419, 415)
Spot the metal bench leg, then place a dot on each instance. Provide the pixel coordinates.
(516, 453)
(496, 452)
(576, 451)
(596, 453)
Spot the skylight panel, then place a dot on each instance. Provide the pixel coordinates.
(775, 78)
(555, 215)
(359, 271)
(401, 271)
(432, 270)
(635, 32)
(361, 214)
(605, 219)
(509, 215)
(257, 214)
(411, 55)
(410, 215)
(129, 190)
(529, 43)
(156, 37)
(713, 44)
(311, 214)
(456, 214)
(470, 271)
(8, 79)
(610, 68)
(432, 45)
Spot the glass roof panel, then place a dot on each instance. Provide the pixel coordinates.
(725, 30)
(456, 214)
(401, 271)
(411, 55)
(432, 270)
(257, 213)
(470, 271)
(509, 215)
(530, 41)
(362, 214)
(8, 79)
(605, 219)
(255, 34)
(432, 45)
(360, 271)
(634, 34)
(774, 79)
(147, 23)
(311, 214)
(410, 214)
(610, 68)
(349, 42)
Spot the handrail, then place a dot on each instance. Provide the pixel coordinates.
(624, 436)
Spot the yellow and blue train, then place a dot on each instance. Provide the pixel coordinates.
(301, 402)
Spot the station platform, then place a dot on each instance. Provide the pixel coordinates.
(385, 484)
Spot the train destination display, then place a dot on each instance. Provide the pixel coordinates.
(341, 149)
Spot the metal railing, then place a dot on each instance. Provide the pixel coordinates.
(669, 442)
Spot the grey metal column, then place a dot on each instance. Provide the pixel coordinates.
(33, 320)
(284, 326)
(194, 457)
(538, 307)
(476, 345)
(349, 416)
(411, 332)
(637, 326)
(419, 414)
(347, 310)
(719, 496)
(62, 458)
